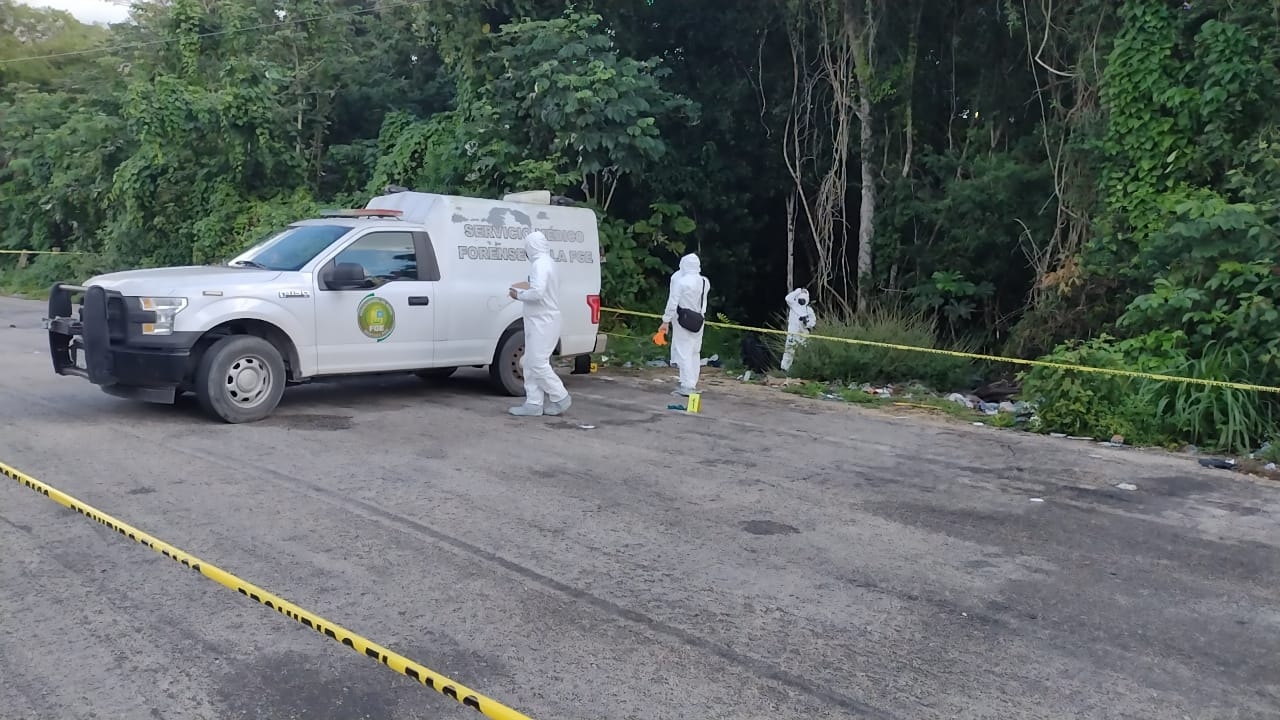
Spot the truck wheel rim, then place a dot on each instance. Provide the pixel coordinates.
(248, 381)
(516, 356)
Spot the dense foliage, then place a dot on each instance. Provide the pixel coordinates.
(1006, 176)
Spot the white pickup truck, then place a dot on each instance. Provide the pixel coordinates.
(414, 283)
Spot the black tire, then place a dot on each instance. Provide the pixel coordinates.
(505, 372)
(224, 370)
(442, 373)
(582, 365)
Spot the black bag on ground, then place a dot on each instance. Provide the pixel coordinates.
(756, 354)
(692, 320)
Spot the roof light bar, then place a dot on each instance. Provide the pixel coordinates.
(361, 212)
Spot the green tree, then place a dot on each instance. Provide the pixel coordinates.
(553, 104)
(43, 47)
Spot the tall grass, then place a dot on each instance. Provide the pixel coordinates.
(1215, 418)
(1153, 412)
(846, 363)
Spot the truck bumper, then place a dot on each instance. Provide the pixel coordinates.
(103, 343)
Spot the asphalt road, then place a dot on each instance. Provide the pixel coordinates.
(774, 558)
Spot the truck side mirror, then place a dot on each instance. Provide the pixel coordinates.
(346, 276)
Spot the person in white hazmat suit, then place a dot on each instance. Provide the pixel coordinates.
(689, 291)
(544, 392)
(800, 320)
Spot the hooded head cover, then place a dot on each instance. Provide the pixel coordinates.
(535, 245)
(690, 264)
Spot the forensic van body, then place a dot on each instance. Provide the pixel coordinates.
(416, 282)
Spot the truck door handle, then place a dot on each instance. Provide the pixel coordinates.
(419, 300)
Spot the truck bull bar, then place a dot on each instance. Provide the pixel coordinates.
(90, 333)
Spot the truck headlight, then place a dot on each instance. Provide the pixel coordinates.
(165, 308)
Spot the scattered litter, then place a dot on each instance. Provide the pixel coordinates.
(979, 424)
(746, 376)
(658, 363)
(1269, 467)
(628, 364)
(1117, 439)
(1008, 407)
(959, 399)
(1127, 486)
(868, 388)
(587, 427)
(1218, 464)
(1077, 437)
(1058, 435)
(989, 408)
(676, 407)
(1037, 500)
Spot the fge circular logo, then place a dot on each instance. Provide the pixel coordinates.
(376, 318)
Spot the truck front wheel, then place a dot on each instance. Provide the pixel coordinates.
(240, 379)
(506, 373)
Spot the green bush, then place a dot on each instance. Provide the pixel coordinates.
(42, 271)
(1152, 412)
(1092, 404)
(632, 341)
(845, 362)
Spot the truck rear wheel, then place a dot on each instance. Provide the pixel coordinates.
(240, 379)
(505, 372)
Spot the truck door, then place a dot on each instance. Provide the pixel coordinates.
(376, 304)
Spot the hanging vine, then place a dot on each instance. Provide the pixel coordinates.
(831, 89)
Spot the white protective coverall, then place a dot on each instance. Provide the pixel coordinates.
(689, 289)
(541, 332)
(800, 320)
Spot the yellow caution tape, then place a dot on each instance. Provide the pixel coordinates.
(39, 252)
(441, 684)
(980, 356)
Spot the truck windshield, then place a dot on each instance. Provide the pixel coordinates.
(291, 248)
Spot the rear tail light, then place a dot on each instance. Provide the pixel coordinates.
(593, 302)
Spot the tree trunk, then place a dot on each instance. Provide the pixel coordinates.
(861, 38)
(867, 208)
(791, 241)
(913, 50)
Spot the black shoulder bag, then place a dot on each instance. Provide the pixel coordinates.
(692, 320)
